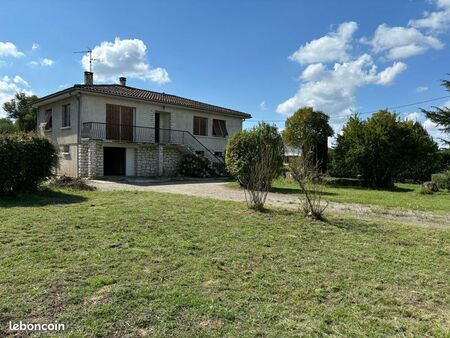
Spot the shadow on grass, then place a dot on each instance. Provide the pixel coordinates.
(42, 197)
(288, 191)
(390, 189)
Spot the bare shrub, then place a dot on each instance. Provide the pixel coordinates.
(258, 183)
(307, 175)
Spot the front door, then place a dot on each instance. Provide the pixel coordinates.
(114, 161)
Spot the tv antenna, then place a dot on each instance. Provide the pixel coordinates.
(91, 59)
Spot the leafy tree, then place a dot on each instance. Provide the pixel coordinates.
(309, 130)
(7, 126)
(255, 158)
(383, 149)
(420, 153)
(20, 109)
(350, 149)
(441, 116)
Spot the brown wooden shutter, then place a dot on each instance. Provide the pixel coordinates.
(112, 122)
(126, 121)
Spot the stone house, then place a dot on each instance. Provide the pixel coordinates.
(115, 130)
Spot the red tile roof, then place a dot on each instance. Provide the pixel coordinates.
(148, 95)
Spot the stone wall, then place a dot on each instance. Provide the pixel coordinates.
(147, 160)
(90, 159)
(172, 158)
(151, 159)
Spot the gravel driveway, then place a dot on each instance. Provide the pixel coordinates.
(219, 190)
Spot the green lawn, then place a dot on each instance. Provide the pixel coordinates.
(403, 195)
(136, 264)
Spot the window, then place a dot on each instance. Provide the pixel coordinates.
(48, 119)
(218, 154)
(219, 128)
(65, 149)
(200, 126)
(200, 153)
(65, 118)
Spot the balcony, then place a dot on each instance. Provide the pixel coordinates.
(129, 133)
(138, 134)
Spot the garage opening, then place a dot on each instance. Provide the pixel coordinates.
(114, 161)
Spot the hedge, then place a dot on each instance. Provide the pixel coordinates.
(442, 180)
(26, 160)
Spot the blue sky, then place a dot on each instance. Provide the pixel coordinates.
(263, 57)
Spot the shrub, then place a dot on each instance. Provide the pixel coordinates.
(26, 160)
(442, 180)
(307, 174)
(72, 183)
(255, 158)
(197, 166)
(428, 188)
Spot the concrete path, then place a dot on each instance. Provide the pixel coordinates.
(219, 190)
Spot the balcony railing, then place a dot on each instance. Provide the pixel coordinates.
(138, 134)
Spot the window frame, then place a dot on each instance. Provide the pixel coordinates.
(198, 123)
(48, 119)
(65, 116)
(221, 125)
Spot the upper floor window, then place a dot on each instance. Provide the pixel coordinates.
(200, 126)
(65, 118)
(48, 119)
(219, 128)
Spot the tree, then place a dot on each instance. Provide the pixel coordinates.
(441, 116)
(349, 152)
(383, 149)
(255, 158)
(20, 109)
(309, 130)
(420, 153)
(7, 126)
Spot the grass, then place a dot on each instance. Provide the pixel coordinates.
(130, 264)
(403, 195)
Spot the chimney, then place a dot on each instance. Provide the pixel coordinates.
(123, 81)
(88, 78)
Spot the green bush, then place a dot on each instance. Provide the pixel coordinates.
(245, 147)
(197, 166)
(442, 180)
(26, 160)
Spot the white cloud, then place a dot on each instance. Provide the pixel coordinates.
(47, 62)
(388, 75)
(35, 46)
(421, 89)
(402, 42)
(263, 105)
(438, 21)
(18, 80)
(434, 131)
(9, 49)
(331, 47)
(127, 58)
(9, 87)
(333, 90)
(414, 117)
